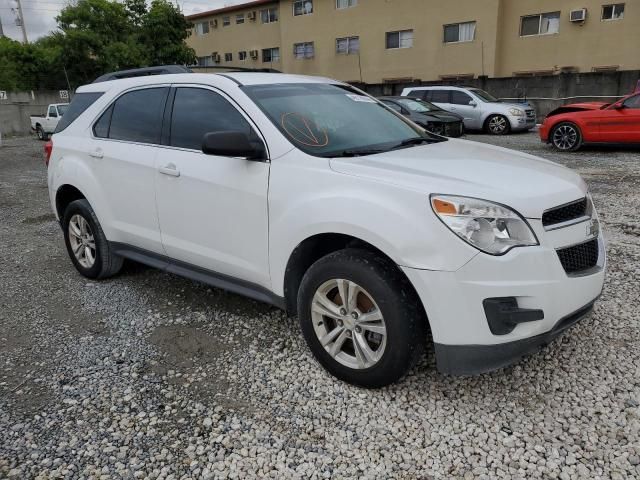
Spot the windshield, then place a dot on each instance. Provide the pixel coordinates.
(418, 106)
(484, 96)
(332, 120)
(62, 109)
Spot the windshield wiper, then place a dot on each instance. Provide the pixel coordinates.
(357, 152)
(412, 141)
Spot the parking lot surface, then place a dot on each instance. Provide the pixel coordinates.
(148, 375)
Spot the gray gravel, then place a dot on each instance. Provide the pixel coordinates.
(148, 375)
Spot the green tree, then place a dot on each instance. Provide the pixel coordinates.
(163, 33)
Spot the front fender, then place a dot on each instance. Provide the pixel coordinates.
(397, 221)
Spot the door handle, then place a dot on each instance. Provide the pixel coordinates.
(97, 153)
(170, 169)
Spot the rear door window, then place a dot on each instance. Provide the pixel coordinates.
(460, 98)
(439, 96)
(79, 103)
(136, 116)
(197, 111)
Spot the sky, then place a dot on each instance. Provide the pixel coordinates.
(39, 15)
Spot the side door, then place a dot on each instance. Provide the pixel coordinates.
(463, 104)
(122, 152)
(621, 123)
(51, 120)
(213, 209)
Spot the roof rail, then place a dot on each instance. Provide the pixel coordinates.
(237, 69)
(142, 72)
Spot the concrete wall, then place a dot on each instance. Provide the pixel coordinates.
(545, 92)
(19, 106)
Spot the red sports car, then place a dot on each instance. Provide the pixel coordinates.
(569, 127)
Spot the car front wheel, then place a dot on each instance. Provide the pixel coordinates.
(498, 125)
(566, 137)
(360, 318)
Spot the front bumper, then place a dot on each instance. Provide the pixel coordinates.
(533, 276)
(521, 123)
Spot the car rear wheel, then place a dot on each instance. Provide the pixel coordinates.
(86, 243)
(566, 137)
(360, 318)
(497, 125)
(40, 133)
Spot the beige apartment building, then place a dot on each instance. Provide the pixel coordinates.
(376, 41)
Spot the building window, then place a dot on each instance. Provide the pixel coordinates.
(270, 55)
(228, 57)
(348, 45)
(303, 50)
(340, 4)
(401, 39)
(226, 21)
(242, 56)
(239, 18)
(205, 61)
(202, 28)
(460, 32)
(269, 15)
(613, 12)
(544, 24)
(302, 7)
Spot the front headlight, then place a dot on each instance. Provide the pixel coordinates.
(487, 226)
(516, 112)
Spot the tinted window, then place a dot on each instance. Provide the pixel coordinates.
(79, 103)
(53, 112)
(392, 105)
(632, 102)
(460, 98)
(425, 95)
(439, 96)
(197, 111)
(137, 115)
(101, 127)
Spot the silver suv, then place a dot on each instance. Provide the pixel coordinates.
(481, 110)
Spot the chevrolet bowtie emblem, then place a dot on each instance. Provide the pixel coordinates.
(593, 228)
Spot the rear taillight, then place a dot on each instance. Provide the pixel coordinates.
(48, 148)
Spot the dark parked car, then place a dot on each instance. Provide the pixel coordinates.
(427, 115)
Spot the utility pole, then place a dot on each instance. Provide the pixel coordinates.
(21, 19)
(1, 32)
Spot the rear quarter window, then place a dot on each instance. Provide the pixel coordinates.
(79, 103)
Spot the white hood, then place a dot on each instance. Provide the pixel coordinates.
(459, 167)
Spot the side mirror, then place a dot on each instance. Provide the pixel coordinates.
(473, 104)
(233, 144)
(619, 106)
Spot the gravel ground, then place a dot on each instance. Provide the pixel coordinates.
(148, 375)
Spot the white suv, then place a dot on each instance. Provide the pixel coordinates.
(307, 194)
(481, 110)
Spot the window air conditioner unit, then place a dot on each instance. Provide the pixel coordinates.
(253, 54)
(214, 23)
(251, 16)
(578, 15)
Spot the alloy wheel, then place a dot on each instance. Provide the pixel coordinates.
(348, 323)
(565, 137)
(497, 125)
(81, 239)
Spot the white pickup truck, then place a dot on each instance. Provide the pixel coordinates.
(44, 125)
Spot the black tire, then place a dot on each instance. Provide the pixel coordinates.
(40, 133)
(566, 137)
(106, 263)
(502, 125)
(401, 309)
